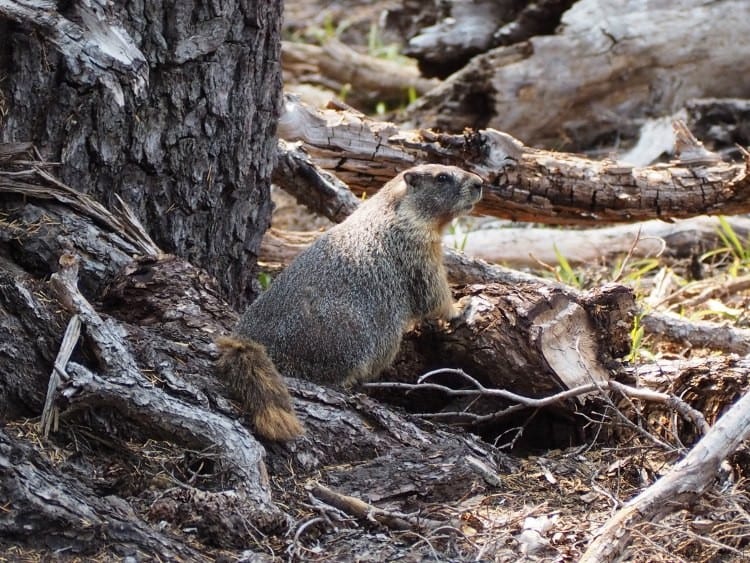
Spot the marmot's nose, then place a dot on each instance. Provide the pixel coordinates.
(476, 188)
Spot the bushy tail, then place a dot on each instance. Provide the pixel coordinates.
(255, 381)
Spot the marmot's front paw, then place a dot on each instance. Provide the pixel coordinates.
(464, 310)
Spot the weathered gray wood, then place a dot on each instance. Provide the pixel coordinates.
(30, 333)
(528, 246)
(697, 334)
(444, 35)
(588, 81)
(683, 484)
(463, 30)
(311, 185)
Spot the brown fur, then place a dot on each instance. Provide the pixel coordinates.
(337, 313)
(255, 381)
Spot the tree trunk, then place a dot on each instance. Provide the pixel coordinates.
(171, 107)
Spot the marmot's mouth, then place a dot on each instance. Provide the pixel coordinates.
(466, 208)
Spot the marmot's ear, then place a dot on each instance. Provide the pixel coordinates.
(410, 178)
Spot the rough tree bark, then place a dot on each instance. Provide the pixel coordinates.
(171, 107)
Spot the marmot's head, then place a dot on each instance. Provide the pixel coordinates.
(440, 193)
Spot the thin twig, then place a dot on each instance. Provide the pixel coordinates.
(686, 411)
(629, 255)
(366, 511)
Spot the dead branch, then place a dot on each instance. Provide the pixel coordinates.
(70, 339)
(684, 483)
(317, 189)
(526, 246)
(706, 289)
(522, 402)
(365, 511)
(697, 334)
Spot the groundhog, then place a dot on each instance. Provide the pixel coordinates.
(336, 315)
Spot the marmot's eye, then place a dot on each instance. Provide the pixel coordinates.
(443, 177)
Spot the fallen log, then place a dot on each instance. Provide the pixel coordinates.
(533, 246)
(600, 82)
(697, 334)
(362, 80)
(523, 183)
(528, 246)
(459, 30)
